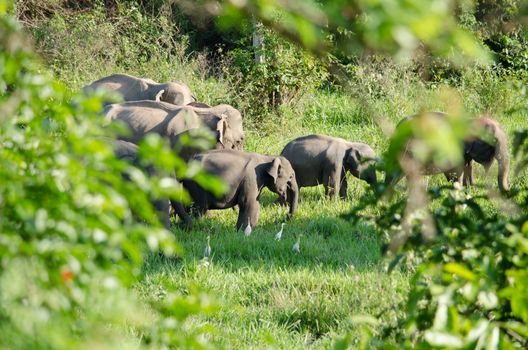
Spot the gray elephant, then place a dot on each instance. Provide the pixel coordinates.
(136, 89)
(199, 104)
(321, 159)
(129, 152)
(485, 146)
(485, 142)
(170, 121)
(246, 174)
(233, 117)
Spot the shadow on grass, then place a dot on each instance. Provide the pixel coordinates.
(326, 241)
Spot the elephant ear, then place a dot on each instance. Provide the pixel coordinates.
(352, 159)
(221, 128)
(159, 96)
(273, 170)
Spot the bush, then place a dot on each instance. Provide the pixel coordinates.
(74, 234)
(469, 288)
(286, 74)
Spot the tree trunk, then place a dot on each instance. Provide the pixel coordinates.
(258, 42)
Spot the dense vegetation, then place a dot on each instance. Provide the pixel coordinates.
(75, 264)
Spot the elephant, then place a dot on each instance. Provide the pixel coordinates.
(485, 146)
(233, 116)
(136, 89)
(485, 142)
(129, 152)
(245, 174)
(321, 159)
(143, 117)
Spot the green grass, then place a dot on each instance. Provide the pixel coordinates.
(266, 295)
(269, 296)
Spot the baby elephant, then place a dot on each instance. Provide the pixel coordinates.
(321, 159)
(246, 174)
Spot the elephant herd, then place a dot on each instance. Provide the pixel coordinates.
(171, 110)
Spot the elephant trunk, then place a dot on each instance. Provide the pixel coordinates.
(369, 176)
(293, 197)
(503, 160)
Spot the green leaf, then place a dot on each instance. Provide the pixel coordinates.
(460, 270)
(443, 339)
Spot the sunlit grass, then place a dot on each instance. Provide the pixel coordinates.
(269, 296)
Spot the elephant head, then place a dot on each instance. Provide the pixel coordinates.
(281, 180)
(234, 119)
(177, 94)
(230, 133)
(359, 160)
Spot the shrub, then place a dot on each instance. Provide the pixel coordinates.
(286, 74)
(73, 233)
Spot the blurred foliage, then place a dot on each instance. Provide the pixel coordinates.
(72, 242)
(400, 28)
(470, 282)
(74, 233)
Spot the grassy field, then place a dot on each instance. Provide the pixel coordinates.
(269, 296)
(266, 295)
(257, 292)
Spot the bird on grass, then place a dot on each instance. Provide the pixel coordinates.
(278, 236)
(247, 230)
(297, 245)
(207, 250)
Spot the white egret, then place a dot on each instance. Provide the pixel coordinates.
(278, 236)
(247, 230)
(207, 250)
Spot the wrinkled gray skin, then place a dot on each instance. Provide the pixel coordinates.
(136, 89)
(129, 152)
(199, 104)
(486, 143)
(321, 159)
(233, 117)
(144, 117)
(246, 174)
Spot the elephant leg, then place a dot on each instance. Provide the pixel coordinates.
(456, 176)
(248, 204)
(179, 209)
(248, 214)
(200, 204)
(343, 188)
(450, 176)
(468, 174)
(281, 201)
(331, 181)
(163, 209)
